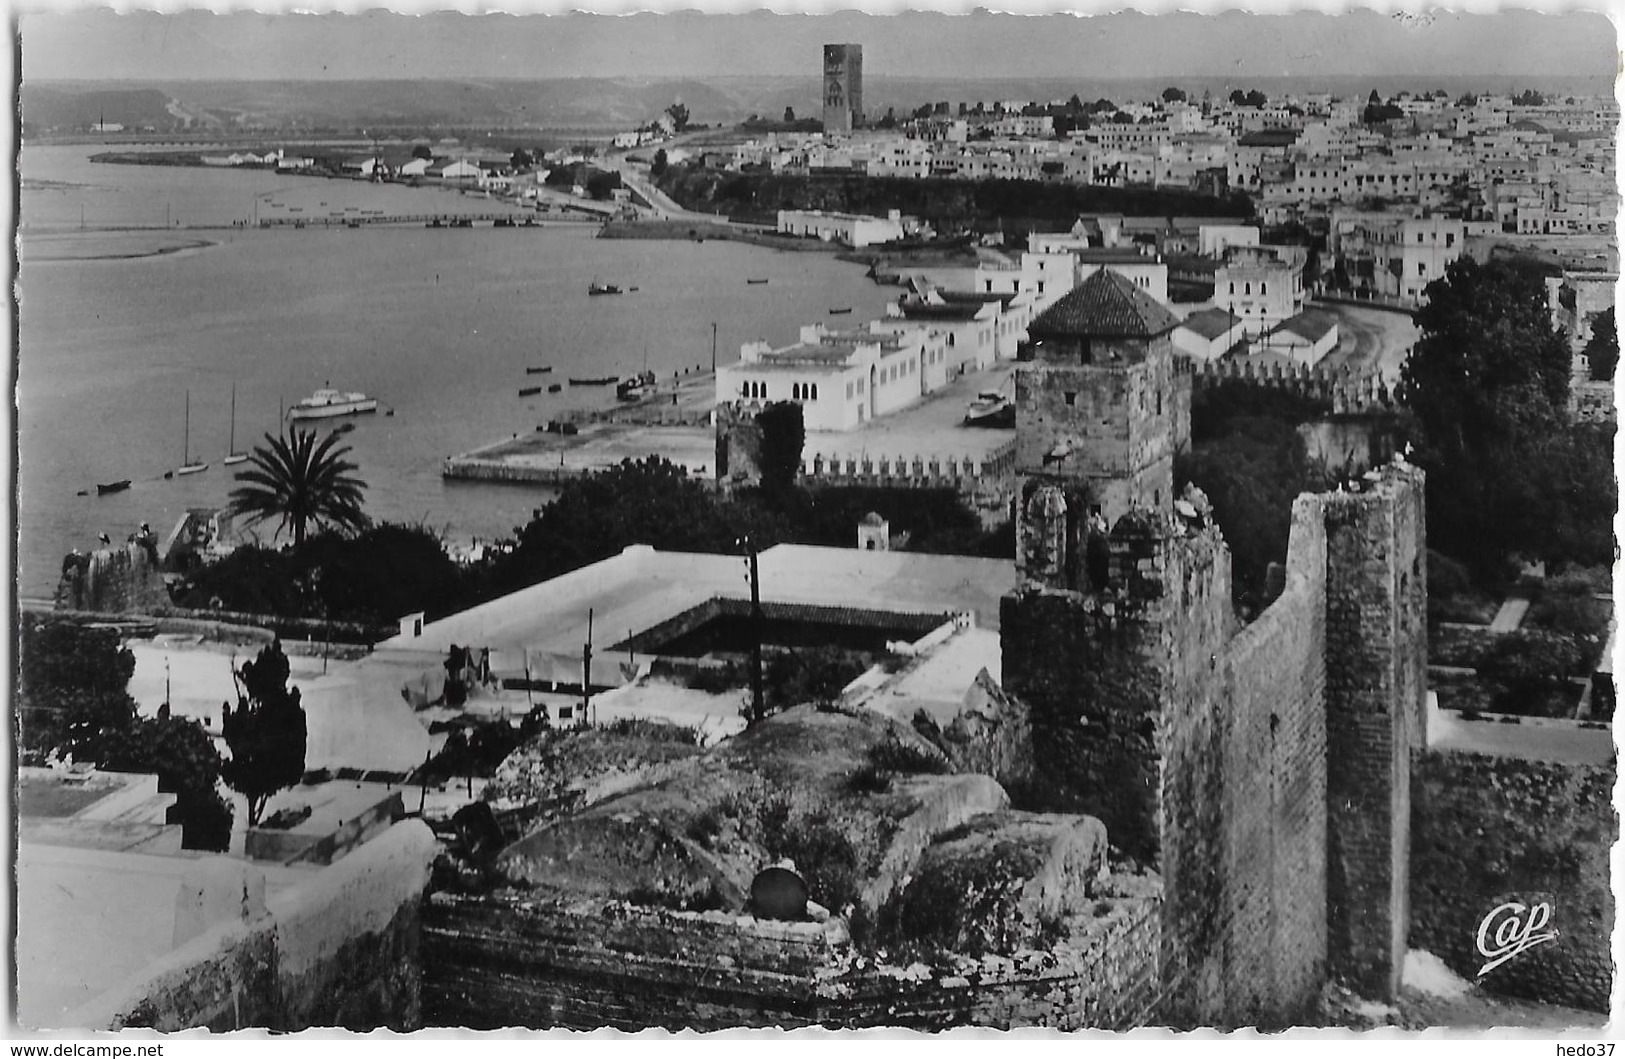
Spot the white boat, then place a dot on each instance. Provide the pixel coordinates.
(325, 404)
(991, 408)
(232, 455)
(189, 465)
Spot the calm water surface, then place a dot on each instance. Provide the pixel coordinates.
(439, 325)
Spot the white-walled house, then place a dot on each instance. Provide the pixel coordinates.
(1146, 271)
(840, 379)
(1258, 285)
(1306, 337)
(849, 229)
(1208, 334)
(970, 329)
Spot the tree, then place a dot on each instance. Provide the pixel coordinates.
(71, 690)
(1174, 95)
(302, 482)
(679, 115)
(1487, 389)
(1602, 351)
(789, 115)
(265, 733)
(521, 159)
(1467, 100)
(660, 164)
(183, 756)
(422, 151)
(601, 184)
(783, 435)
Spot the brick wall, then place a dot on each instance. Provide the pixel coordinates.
(1486, 829)
(1376, 667)
(506, 960)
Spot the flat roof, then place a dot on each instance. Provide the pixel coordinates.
(641, 587)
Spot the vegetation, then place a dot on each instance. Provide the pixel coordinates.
(1487, 391)
(265, 733)
(783, 435)
(1247, 457)
(949, 205)
(1530, 672)
(72, 702)
(1602, 351)
(302, 482)
(371, 578)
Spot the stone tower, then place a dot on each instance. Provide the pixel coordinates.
(843, 87)
(1097, 421)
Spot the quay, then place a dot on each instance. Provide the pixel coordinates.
(521, 219)
(924, 445)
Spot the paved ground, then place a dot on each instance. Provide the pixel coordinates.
(1510, 616)
(1371, 337)
(933, 427)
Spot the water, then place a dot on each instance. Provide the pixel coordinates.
(439, 325)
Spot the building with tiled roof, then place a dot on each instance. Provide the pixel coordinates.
(1099, 406)
(1105, 305)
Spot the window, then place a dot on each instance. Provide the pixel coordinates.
(1070, 397)
(1232, 288)
(1449, 238)
(1248, 288)
(815, 391)
(1263, 288)
(950, 339)
(849, 390)
(795, 391)
(1421, 268)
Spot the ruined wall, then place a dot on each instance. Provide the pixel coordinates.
(1376, 671)
(1486, 829)
(341, 949)
(120, 580)
(1274, 753)
(505, 960)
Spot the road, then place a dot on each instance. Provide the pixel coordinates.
(1371, 338)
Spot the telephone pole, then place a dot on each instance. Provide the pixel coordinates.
(586, 669)
(757, 709)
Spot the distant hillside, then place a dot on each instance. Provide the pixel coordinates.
(618, 103)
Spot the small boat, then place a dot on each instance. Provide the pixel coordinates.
(344, 428)
(189, 465)
(840, 312)
(324, 404)
(436, 223)
(103, 488)
(529, 391)
(544, 370)
(555, 387)
(763, 280)
(604, 380)
(232, 455)
(634, 386)
(990, 409)
(463, 222)
(503, 222)
(602, 288)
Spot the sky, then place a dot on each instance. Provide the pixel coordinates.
(58, 42)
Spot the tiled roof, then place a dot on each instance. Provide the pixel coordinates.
(1312, 325)
(1105, 304)
(1210, 323)
(941, 312)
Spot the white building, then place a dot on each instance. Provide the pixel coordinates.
(1258, 285)
(1208, 334)
(1306, 337)
(840, 379)
(849, 229)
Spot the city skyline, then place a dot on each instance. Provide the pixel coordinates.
(102, 45)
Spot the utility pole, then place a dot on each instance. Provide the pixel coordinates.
(586, 669)
(713, 347)
(757, 709)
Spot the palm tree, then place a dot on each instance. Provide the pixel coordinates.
(302, 482)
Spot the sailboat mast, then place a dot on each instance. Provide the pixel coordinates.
(186, 442)
(232, 447)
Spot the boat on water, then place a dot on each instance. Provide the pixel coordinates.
(232, 455)
(840, 312)
(555, 387)
(103, 488)
(603, 380)
(990, 409)
(529, 391)
(633, 387)
(762, 280)
(596, 288)
(324, 404)
(546, 369)
(188, 464)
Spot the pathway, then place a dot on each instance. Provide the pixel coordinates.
(1510, 616)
